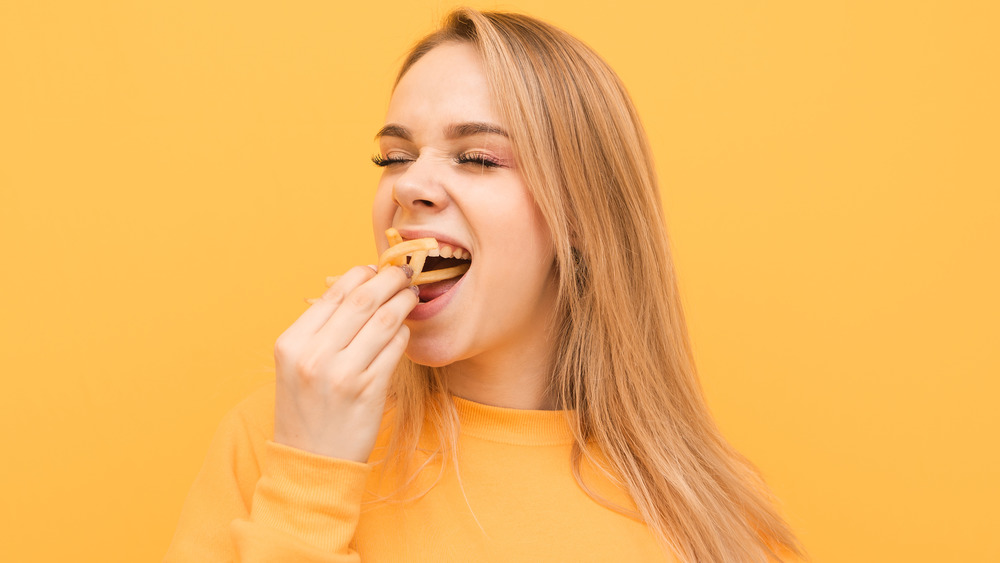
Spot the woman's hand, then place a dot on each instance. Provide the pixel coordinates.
(335, 362)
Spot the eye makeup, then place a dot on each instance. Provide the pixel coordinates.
(380, 160)
(476, 158)
(479, 158)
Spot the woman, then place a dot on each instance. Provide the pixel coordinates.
(547, 407)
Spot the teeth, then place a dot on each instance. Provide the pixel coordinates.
(448, 251)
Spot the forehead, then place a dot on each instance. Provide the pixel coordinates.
(448, 84)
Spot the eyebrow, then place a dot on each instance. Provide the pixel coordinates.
(454, 131)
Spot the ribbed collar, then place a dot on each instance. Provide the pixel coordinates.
(513, 426)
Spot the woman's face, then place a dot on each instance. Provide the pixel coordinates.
(450, 174)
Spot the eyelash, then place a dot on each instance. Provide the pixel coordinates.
(473, 158)
(477, 158)
(380, 160)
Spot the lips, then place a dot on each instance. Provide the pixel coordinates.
(446, 244)
(431, 291)
(435, 296)
(447, 255)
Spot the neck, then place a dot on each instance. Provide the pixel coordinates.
(514, 376)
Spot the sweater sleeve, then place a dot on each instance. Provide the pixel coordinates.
(256, 500)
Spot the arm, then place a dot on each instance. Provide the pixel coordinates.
(255, 500)
(298, 497)
(305, 508)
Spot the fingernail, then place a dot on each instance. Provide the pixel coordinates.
(407, 270)
(415, 289)
(374, 269)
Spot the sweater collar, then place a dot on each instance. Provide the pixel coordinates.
(513, 426)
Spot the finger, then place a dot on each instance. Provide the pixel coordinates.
(381, 368)
(347, 282)
(361, 303)
(316, 315)
(378, 331)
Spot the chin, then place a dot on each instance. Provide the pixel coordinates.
(429, 353)
(427, 362)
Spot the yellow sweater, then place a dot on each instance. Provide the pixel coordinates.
(514, 498)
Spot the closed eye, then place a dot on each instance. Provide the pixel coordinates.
(477, 158)
(380, 160)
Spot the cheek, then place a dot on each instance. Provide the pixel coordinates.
(538, 241)
(382, 215)
(517, 228)
(383, 210)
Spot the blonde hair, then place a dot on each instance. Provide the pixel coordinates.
(624, 369)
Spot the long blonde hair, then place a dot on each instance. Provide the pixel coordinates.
(625, 369)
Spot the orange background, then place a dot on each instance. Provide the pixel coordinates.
(176, 176)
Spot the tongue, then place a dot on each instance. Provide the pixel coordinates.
(429, 291)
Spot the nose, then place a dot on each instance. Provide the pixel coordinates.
(419, 187)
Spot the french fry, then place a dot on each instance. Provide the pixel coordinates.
(393, 236)
(440, 275)
(417, 250)
(417, 261)
(396, 255)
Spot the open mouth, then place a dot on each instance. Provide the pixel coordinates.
(447, 262)
(437, 267)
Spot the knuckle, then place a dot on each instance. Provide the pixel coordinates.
(362, 298)
(335, 294)
(284, 347)
(306, 367)
(385, 318)
(368, 390)
(366, 272)
(347, 385)
(402, 337)
(343, 386)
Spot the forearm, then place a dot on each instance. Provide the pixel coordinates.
(255, 500)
